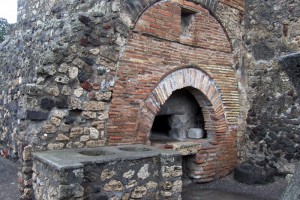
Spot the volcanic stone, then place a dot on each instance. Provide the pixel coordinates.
(47, 103)
(37, 115)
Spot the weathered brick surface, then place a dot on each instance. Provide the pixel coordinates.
(154, 64)
(238, 4)
(147, 59)
(164, 21)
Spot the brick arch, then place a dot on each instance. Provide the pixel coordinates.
(135, 8)
(203, 88)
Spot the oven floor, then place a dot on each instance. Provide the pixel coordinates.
(161, 137)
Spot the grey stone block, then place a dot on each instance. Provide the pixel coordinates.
(37, 115)
(195, 133)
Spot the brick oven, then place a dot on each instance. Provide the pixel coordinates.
(176, 74)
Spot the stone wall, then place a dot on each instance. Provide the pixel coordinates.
(124, 175)
(60, 80)
(10, 85)
(138, 179)
(50, 183)
(272, 64)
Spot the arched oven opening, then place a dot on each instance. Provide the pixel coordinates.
(180, 119)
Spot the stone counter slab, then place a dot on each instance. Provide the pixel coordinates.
(118, 172)
(75, 158)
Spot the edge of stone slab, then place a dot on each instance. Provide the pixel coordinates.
(292, 191)
(72, 159)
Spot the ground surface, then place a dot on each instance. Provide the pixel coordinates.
(8, 180)
(222, 189)
(228, 189)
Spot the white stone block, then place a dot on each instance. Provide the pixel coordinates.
(196, 133)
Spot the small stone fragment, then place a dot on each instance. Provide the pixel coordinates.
(87, 86)
(54, 91)
(84, 19)
(100, 96)
(55, 121)
(143, 173)
(47, 103)
(129, 174)
(93, 144)
(95, 51)
(84, 138)
(113, 185)
(131, 184)
(62, 79)
(94, 133)
(139, 192)
(78, 92)
(89, 115)
(27, 153)
(62, 102)
(63, 68)
(78, 62)
(93, 106)
(75, 103)
(48, 70)
(73, 72)
(33, 89)
(62, 138)
(59, 114)
(151, 185)
(49, 128)
(167, 185)
(171, 171)
(65, 128)
(76, 131)
(177, 186)
(66, 90)
(107, 174)
(56, 146)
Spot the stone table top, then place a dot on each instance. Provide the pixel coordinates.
(76, 158)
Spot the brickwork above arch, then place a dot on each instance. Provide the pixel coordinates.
(135, 8)
(164, 20)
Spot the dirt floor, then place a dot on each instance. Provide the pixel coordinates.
(229, 189)
(8, 180)
(223, 189)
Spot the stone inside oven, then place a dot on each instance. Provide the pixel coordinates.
(180, 114)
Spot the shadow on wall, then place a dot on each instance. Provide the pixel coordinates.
(291, 65)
